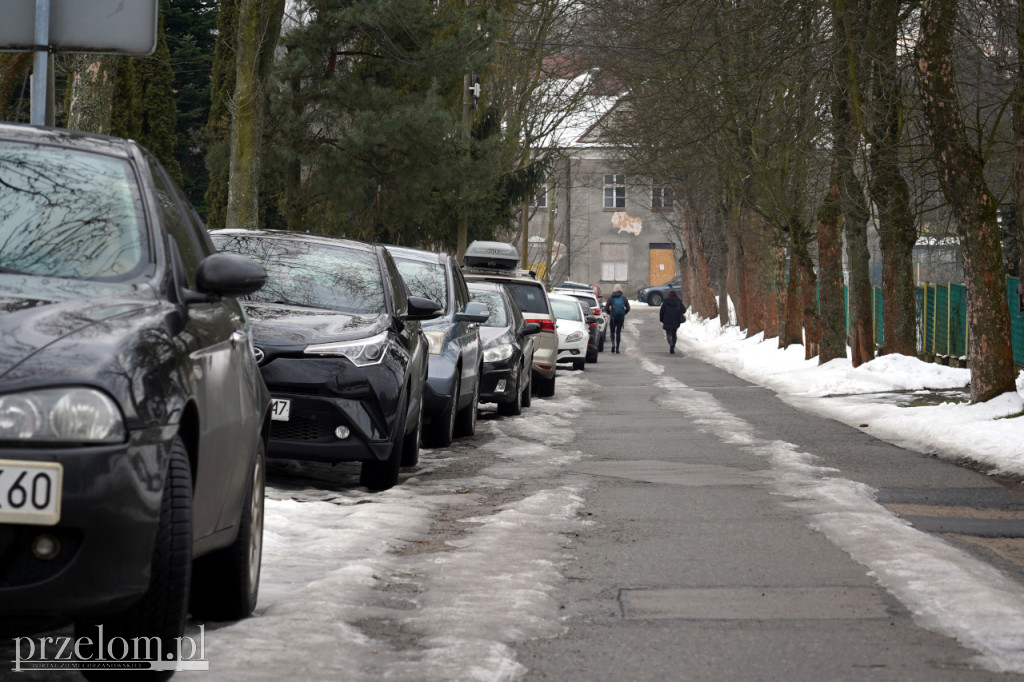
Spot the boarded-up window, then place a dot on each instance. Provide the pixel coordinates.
(614, 262)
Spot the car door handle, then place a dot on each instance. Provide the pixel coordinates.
(237, 338)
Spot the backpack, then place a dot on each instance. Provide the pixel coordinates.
(619, 306)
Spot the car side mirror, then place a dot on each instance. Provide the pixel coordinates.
(531, 328)
(475, 312)
(422, 309)
(229, 274)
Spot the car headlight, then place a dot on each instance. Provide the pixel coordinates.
(61, 415)
(361, 352)
(575, 336)
(498, 353)
(435, 342)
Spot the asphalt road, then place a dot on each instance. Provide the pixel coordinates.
(722, 547)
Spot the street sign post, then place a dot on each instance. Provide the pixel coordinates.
(126, 27)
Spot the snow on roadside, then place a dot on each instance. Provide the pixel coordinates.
(329, 558)
(990, 433)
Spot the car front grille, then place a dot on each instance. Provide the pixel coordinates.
(314, 422)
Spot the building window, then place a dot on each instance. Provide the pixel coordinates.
(541, 200)
(615, 191)
(614, 262)
(661, 196)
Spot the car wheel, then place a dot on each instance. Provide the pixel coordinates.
(465, 424)
(514, 406)
(162, 610)
(600, 342)
(579, 365)
(411, 445)
(528, 388)
(225, 583)
(655, 299)
(545, 387)
(591, 355)
(380, 475)
(442, 427)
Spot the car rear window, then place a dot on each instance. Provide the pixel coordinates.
(312, 274)
(530, 297)
(495, 305)
(566, 310)
(427, 280)
(68, 213)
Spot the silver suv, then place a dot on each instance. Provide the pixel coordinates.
(499, 262)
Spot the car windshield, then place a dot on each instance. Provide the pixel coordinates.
(495, 305)
(427, 280)
(566, 310)
(312, 274)
(68, 213)
(529, 297)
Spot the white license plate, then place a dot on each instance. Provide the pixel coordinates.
(280, 408)
(30, 492)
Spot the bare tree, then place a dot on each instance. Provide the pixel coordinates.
(975, 210)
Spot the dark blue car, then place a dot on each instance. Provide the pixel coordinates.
(453, 374)
(655, 295)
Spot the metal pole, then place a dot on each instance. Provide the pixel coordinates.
(40, 80)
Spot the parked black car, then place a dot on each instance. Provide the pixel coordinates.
(655, 295)
(453, 339)
(132, 413)
(508, 349)
(338, 340)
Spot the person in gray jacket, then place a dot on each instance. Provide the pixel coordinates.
(672, 314)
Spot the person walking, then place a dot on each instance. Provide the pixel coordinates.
(617, 307)
(671, 315)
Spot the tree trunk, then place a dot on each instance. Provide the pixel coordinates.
(750, 277)
(702, 295)
(888, 188)
(974, 208)
(830, 276)
(91, 100)
(13, 69)
(792, 324)
(259, 24)
(1018, 139)
(734, 278)
(218, 126)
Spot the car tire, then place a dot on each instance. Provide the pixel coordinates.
(545, 388)
(411, 444)
(600, 342)
(226, 583)
(465, 420)
(162, 610)
(378, 475)
(515, 406)
(591, 355)
(655, 299)
(528, 388)
(441, 430)
(579, 365)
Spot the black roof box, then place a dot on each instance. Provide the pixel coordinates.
(493, 255)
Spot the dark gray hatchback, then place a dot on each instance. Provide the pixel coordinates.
(453, 340)
(133, 419)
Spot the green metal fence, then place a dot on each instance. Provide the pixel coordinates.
(942, 319)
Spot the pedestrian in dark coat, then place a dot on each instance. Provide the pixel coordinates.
(617, 307)
(672, 314)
